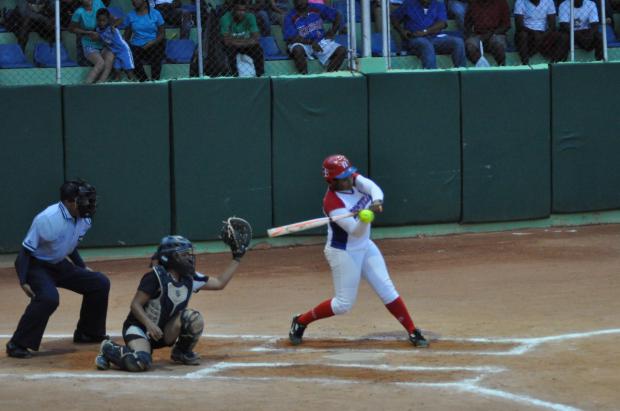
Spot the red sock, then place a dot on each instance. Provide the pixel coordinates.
(322, 310)
(399, 310)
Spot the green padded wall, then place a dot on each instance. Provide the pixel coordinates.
(31, 159)
(415, 145)
(222, 154)
(586, 137)
(117, 138)
(506, 144)
(314, 117)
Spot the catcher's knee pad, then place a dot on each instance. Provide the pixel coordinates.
(192, 325)
(136, 361)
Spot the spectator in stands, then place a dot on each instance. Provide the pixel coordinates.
(458, 9)
(67, 8)
(267, 12)
(113, 41)
(423, 22)
(306, 37)
(174, 15)
(37, 16)
(377, 15)
(585, 17)
(487, 21)
(145, 34)
(240, 36)
(535, 30)
(84, 22)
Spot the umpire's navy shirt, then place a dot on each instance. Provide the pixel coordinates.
(54, 233)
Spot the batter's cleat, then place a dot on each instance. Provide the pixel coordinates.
(417, 339)
(297, 331)
(101, 362)
(187, 358)
(81, 338)
(17, 351)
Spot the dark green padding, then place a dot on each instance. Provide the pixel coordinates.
(313, 118)
(222, 154)
(31, 157)
(116, 137)
(415, 153)
(586, 137)
(506, 144)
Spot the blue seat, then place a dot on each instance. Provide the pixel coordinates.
(180, 51)
(341, 7)
(271, 49)
(45, 56)
(612, 40)
(189, 7)
(376, 45)
(12, 56)
(118, 14)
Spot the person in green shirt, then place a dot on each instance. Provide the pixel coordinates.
(240, 35)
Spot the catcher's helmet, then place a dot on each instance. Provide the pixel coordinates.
(84, 195)
(336, 167)
(177, 253)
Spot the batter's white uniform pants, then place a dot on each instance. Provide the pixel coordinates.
(348, 267)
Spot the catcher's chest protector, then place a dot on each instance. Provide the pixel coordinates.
(172, 299)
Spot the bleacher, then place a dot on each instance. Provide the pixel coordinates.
(277, 61)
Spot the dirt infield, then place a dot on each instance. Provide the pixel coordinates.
(518, 321)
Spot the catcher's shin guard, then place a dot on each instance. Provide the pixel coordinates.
(122, 357)
(192, 325)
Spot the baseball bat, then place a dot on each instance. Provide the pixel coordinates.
(305, 225)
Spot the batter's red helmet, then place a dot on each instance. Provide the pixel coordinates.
(336, 167)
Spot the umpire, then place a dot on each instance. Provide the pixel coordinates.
(42, 265)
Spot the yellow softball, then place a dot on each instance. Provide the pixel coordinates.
(366, 216)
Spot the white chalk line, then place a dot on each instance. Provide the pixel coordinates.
(525, 345)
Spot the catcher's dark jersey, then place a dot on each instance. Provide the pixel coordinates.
(168, 297)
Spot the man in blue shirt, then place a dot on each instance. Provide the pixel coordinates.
(423, 21)
(303, 31)
(42, 265)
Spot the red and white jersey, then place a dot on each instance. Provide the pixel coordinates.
(349, 233)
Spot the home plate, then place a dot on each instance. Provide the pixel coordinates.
(356, 356)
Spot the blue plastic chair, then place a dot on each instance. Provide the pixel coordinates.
(180, 51)
(45, 56)
(271, 49)
(12, 56)
(376, 45)
(341, 7)
(119, 14)
(189, 7)
(612, 40)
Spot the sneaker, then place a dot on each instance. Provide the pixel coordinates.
(17, 351)
(417, 339)
(81, 338)
(187, 358)
(297, 331)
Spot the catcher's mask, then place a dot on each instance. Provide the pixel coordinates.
(84, 195)
(177, 253)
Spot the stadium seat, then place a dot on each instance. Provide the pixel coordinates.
(341, 7)
(376, 45)
(271, 49)
(180, 51)
(612, 40)
(189, 7)
(45, 56)
(12, 56)
(118, 14)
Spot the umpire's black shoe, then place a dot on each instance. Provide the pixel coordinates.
(16, 351)
(297, 331)
(417, 339)
(81, 338)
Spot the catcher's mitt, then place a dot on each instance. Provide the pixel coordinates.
(237, 234)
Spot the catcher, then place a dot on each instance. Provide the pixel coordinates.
(159, 316)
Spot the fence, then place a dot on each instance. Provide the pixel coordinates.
(77, 41)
